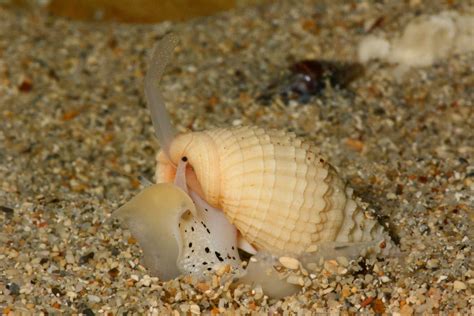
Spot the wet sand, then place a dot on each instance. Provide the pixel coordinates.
(76, 134)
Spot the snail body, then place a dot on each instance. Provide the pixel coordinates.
(277, 189)
(267, 192)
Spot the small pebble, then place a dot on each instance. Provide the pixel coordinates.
(195, 309)
(391, 196)
(93, 298)
(343, 261)
(6, 209)
(13, 288)
(289, 262)
(294, 279)
(88, 312)
(459, 286)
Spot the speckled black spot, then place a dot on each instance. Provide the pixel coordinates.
(192, 228)
(190, 244)
(206, 210)
(218, 255)
(233, 248)
(204, 263)
(209, 269)
(203, 224)
(208, 231)
(207, 249)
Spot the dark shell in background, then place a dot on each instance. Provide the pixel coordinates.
(309, 78)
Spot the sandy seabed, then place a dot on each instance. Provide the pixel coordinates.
(75, 134)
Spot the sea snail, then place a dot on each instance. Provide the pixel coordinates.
(265, 191)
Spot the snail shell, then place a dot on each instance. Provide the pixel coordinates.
(278, 190)
(280, 193)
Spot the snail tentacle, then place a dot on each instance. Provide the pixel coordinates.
(162, 54)
(180, 177)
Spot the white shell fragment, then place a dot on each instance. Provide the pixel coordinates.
(424, 41)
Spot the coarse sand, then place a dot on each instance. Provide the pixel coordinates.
(75, 134)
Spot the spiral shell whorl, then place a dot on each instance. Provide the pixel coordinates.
(356, 227)
(281, 194)
(277, 189)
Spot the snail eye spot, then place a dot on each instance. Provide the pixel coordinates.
(184, 158)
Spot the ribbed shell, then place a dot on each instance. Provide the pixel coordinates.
(277, 189)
